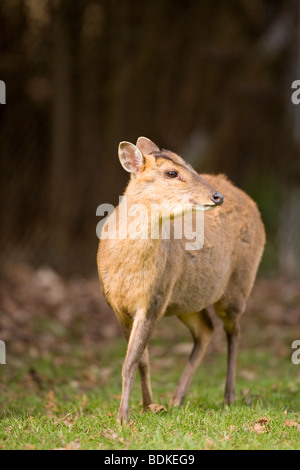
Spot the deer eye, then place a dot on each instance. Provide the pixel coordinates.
(171, 174)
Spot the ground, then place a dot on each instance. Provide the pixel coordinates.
(60, 387)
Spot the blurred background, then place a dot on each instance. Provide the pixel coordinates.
(210, 80)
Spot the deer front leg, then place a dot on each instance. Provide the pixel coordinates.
(141, 331)
(144, 365)
(144, 370)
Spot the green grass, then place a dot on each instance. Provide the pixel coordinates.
(72, 401)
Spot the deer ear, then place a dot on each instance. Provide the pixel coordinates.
(146, 146)
(131, 157)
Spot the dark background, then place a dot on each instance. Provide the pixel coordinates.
(210, 80)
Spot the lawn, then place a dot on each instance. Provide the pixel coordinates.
(72, 403)
(61, 385)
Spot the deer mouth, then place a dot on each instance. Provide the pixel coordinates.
(205, 207)
(202, 207)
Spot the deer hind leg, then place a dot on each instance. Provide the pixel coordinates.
(201, 327)
(230, 315)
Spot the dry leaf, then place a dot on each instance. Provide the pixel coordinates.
(259, 426)
(74, 445)
(262, 421)
(290, 423)
(155, 408)
(111, 434)
(108, 434)
(208, 444)
(29, 447)
(68, 421)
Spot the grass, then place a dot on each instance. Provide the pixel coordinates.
(71, 401)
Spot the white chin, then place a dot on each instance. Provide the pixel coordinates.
(204, 208)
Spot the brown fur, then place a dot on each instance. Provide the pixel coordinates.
(144, 279)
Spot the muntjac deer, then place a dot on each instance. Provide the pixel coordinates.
(144, 278)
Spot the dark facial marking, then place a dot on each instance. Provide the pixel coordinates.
(164, 156)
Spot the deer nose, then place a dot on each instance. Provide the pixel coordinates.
(217, 198)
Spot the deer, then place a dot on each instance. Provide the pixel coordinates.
(144, 278)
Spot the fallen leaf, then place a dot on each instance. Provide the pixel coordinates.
(259, 426)
(290, 423)
(111, 434)
(155, 408)
(74, 445)
(108, 434)
(68, 421)
(263, 421)
(208, 444)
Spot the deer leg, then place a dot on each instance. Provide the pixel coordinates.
(231, 318)
(136, 355)
(201, 328)
(232, 334)
(144, 367)
(144, 370)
